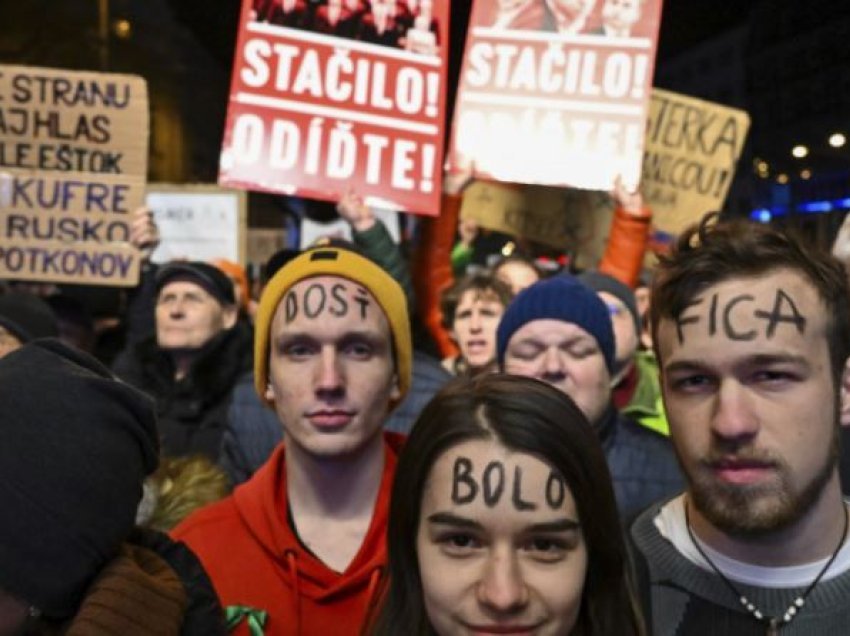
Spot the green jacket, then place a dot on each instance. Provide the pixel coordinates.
(646, 406)
(378, 245)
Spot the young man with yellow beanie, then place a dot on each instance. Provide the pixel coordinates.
(299, 548)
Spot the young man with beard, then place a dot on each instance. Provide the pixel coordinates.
(752, 334)
(299, 548)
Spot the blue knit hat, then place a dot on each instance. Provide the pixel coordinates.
(562, 298)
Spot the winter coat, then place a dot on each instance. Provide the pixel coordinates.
(642, 463)
(192, 411)
(153, 587)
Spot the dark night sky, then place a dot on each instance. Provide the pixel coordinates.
(684, 22)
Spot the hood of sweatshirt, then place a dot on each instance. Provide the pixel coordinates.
(262, 504)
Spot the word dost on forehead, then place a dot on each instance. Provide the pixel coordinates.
(496, 482)
(320, 299)
(723, 316)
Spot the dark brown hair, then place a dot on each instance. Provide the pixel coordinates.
(528, 416)
(485, 283)
(714, 251)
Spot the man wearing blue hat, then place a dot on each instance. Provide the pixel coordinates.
(559, 331)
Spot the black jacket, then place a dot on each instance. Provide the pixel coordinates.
(192, 412)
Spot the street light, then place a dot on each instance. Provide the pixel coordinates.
(799, 151)
(837, 140)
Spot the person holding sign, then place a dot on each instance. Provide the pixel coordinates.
(299, 548)
(752, 332)
(503, 519)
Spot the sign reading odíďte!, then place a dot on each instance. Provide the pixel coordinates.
(554, 92)
(344, 95)
(73, 163)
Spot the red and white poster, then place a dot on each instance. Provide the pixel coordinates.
(555, 92)
(339, 95)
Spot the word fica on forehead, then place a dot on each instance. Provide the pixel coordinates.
(336, 299)
(718, 317)
(493, 483)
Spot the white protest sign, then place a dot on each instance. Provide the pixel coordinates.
(198, 222)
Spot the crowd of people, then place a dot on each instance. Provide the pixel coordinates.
(187, 459)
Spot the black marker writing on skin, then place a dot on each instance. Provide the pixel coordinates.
(712, 318)
(517, 500)
(341, 307)
(317, 299)
(461, 477)
(492, 486)
(314, 300)
(776, 316)
(556, 491)
(727, 320)
(362, 300)
(492, 493)
(784, 310)
(290, 306)
(681, 320)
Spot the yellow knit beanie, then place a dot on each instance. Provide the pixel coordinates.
(346, 263)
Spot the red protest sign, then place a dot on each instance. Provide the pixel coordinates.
(344, 95)
(555, 92)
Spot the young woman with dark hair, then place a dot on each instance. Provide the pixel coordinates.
(503, 519)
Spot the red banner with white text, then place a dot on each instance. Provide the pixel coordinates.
(338, 96)
(555, 92)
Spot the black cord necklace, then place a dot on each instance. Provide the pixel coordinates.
(773, 623)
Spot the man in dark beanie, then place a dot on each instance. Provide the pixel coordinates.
(635, 383)
(77, 445)
(22, 318)
(559, 331)
(194, 360)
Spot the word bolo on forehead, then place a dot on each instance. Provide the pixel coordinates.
(493, 483)
(317, 299)
(718, 319)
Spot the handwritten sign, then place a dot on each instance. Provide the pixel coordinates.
(570, 220)
(73, 163)
(315, 111)
(692, 148)
(198, 222)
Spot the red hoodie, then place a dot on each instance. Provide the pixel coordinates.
(255, 559)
